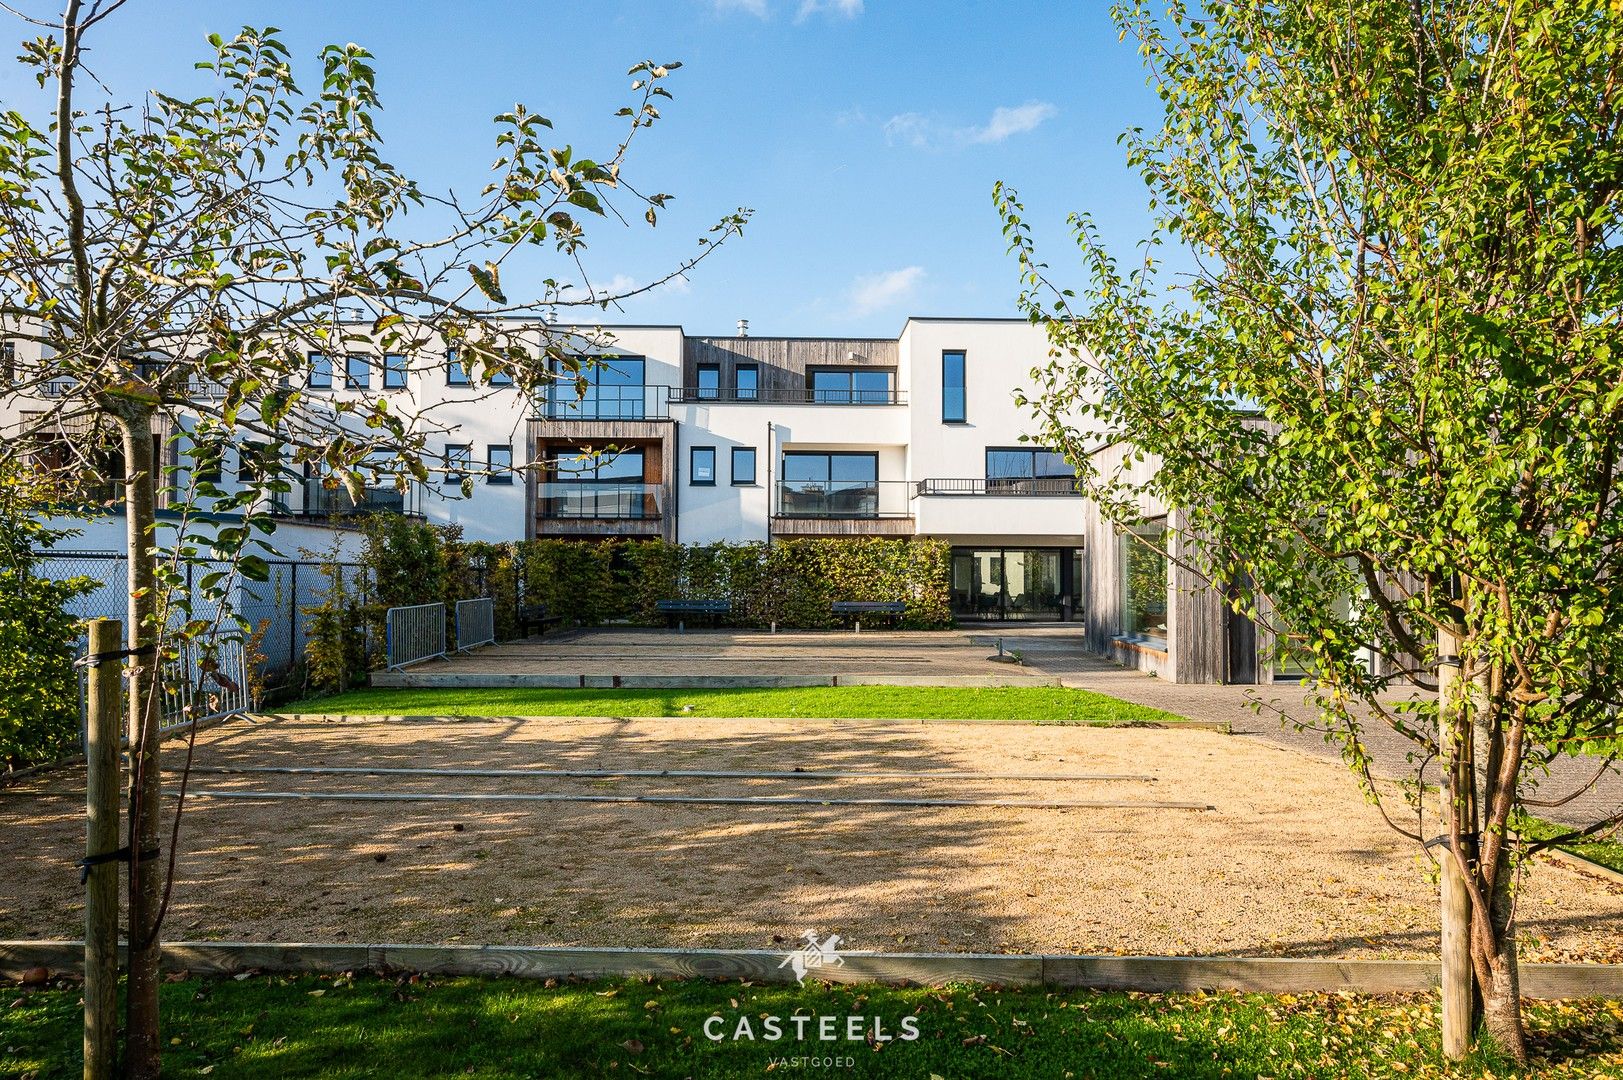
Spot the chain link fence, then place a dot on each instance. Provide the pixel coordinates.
(273, 608)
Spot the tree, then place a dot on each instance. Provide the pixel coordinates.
(172, 263)
(1389, 390)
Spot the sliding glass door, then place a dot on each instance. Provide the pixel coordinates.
(1015, 584)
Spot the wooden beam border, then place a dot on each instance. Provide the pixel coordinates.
(1149, 974)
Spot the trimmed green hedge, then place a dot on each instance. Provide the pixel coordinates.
(791, 582)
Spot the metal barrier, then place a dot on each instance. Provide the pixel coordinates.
(414, 634)
(194, 689)
(475, 623)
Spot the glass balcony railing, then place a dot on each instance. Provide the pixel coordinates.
(790, 395)
(328, 502)
(843, 498)
(632, 402)
(599, 499)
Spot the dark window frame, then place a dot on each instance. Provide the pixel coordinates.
(693, 468)
(753, 393)
(392, 369)
(505, 473)
(733, 466)
(851, 395)
(350, 381)
(320, 369)
(707, 393)
(961, 389)
(454, 475)
(455, 373)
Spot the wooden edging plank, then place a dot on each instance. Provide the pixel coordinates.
(325, 719)
(691, 800)
(1150, 974)
(656, 774)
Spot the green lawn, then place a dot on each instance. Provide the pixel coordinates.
(1033, 703)
(408, 1027)
(1607, 852)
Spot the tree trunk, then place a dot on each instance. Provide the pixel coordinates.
(1457, 984)
(146, 866)
(1496, 955)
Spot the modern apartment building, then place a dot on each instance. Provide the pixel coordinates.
(744, 438)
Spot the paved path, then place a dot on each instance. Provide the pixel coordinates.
(1059, 652)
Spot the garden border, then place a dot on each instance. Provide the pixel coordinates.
(1149, 974)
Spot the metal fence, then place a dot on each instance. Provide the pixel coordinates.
(413, 634)
(274, 608)
(475, 623)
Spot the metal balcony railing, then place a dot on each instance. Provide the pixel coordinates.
(793, 395)
(599, 499)
(635, 402)
(336, 502)
(844, 498)
(1000, 485)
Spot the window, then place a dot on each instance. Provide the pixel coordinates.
(501, 377)
(357, 372)
(320, 371)
(500, 459)
(8, 362)
(458, 460)
(394, 371)
(1029, 471)
(455, 373)
(255, 462)
(598, 483)
(614, 390)
(1144, 583)
(206, 464)
(702, 466)
(817, 484)
(709, 382)
(746, 382)
(952, 388)
(743, 465)
(852, 386)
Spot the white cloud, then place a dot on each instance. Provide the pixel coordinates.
(917, 129)
(849, 9)
(875, 292)
(618, 285)
(1006, 121)
(750, 7)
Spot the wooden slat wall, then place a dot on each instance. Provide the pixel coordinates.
(783, 361)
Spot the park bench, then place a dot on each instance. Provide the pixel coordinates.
(855, 609)
(535, 615)
(674, 610)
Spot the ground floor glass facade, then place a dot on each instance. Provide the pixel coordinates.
(1017, 584)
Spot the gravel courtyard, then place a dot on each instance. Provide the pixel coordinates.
(1289, 861)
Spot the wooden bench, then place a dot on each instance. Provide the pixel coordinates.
(673, 610)
(535, 615)
(855, 609)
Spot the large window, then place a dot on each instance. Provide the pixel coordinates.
(841, 484)
(1020, 470)
(1144, 584)
(952, 388)
(601, 484)
(614, 390)
(852, 386)
(320, 371)
(743, 465)
(702, 466)
(746, 382)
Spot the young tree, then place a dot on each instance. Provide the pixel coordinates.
(174, 263)
(1390, 392)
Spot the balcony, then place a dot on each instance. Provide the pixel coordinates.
(636, 401)
(1001, 485)
(337, 504)
(843, 508)
(600, 500)
(796, 395)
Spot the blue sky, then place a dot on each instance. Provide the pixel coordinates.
(865, 134)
